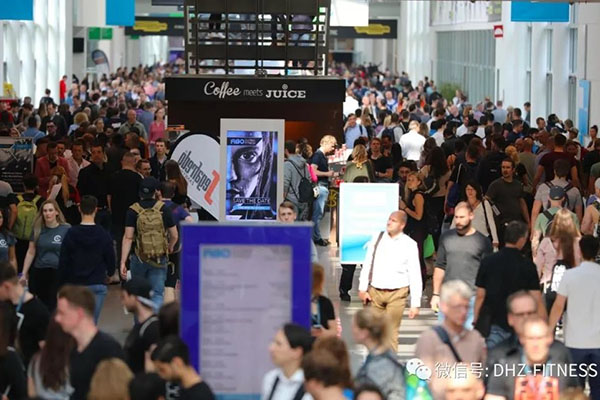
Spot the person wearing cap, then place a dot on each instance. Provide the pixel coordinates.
(590, 225)
(87, 256)
(573, 200)
(154, 270)
(542, 223)
(136, 297)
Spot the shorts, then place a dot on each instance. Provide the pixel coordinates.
(173, 270)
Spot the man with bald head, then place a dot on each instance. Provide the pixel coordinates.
(390, 269)
(463, 383)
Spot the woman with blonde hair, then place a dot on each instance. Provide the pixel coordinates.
(360, 168)
(66, 196)
(110, 381)
(40, 269)
(560, 246)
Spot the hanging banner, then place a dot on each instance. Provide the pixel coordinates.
(16, 160)
(101, 60)
(120, 12)
(534, 11)
(229, 315)
(157, 26)
(198, 157)
(584, 108)
(364, 211)
(252, 162)
(377, 29)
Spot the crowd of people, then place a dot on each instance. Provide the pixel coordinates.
(511, 208)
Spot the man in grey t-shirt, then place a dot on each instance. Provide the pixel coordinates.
(458, 257)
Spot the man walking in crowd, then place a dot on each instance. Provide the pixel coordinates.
(352, 131)
(391, 268)
(32, 315)
(500, 275)
(577, 292)
(94, 181)
(459, 255)
(321, 167)
(295, 169)
(87, 256)
(546, 164)
(44, 166)
(450, 343)
(131, 123)
(412, 142)
(172, 360)
(541, 227)
(75, 314)
(136, 299)
(27, 208)
(158, 160)
(76, 162)
(151, 225)
(507, 194)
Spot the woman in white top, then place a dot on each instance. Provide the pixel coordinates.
(483, 215)
(286, 382)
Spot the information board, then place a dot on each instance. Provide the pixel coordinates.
(241, 283)
(364, 211)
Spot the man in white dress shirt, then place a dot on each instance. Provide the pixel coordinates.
(391, 267)
(412, 142)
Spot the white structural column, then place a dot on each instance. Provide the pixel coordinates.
(588, 65)
(538, 71)
(560, 69)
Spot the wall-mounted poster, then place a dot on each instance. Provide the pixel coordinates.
(16, 160)
(252, 162)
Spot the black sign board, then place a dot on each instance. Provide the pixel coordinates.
(377, 29)
(157, 26)
(167, 2)
(220, 88)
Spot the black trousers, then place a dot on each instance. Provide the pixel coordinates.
(21, 250)
(43, 282)
(347, 278)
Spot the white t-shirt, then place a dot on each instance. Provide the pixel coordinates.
(412, 145)
(582, 319)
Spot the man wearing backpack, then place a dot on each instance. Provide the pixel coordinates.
(543, 222)
(151, 225)
(573, 200)
(295, 175)
(27, 208)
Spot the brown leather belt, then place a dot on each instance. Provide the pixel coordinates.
(386, 290)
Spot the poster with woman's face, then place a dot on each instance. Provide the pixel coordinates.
(252, 166)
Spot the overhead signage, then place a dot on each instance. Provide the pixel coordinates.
(198, 157)
(377, 29)
(359, 224)
(157, 26)
(328, 90)
(21, 10)
(534, 11)
(240, 284)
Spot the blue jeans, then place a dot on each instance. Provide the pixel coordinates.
(584, 358)
(470, 315)
(156, 276)
(318, 210)
(496, 336)
(99, 294)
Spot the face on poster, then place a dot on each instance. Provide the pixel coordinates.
(252, 169)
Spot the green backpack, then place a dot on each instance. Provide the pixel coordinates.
(151, 236)
(26, 213)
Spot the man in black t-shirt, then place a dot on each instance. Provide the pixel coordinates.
(172, 361)
(75, 314)
(123, 192)
(382, 164)
(502, 274)
(321, 167)
(135, 297)
(32, 315)
(94, 181)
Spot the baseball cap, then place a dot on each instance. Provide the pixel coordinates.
(557, 193)
(141, 289)
(148, 187)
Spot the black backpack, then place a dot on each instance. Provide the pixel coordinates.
(305, 191)
(550, 218)
(566, 188)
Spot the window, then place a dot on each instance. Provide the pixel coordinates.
(573, 51)
(549, 50)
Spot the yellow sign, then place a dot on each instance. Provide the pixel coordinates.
(150, 26)
(9, 90)
(373, 29)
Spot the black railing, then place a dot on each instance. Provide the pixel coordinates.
(264, 36)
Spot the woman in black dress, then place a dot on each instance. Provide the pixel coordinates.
(413, 204)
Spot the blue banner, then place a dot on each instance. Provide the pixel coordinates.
(241, 283)
(364, 211)
(584, 109)
(528, 11)
(120, 12)
(21, 10)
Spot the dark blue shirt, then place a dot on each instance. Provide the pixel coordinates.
(320, 161)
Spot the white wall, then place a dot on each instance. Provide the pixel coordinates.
(588, 65)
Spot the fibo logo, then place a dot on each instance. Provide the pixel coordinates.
(216, 253)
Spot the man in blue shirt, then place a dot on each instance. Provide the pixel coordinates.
(353, 131)
(32, 130)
